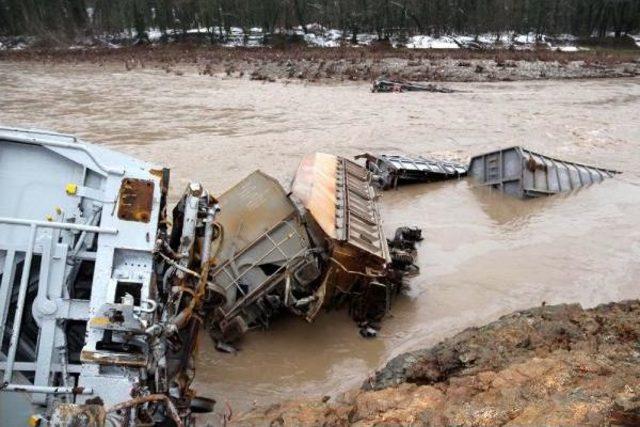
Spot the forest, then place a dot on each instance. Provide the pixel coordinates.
(60, 19)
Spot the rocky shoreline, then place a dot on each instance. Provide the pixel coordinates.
(350, 64)
(551, 365)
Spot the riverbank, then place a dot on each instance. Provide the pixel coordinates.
(551, 365)
(365, 63)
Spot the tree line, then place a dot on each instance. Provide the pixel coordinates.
(72, 18)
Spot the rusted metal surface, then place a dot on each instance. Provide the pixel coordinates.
(118, 317)
(135, 200)
(339, 197)
(114, 358)
(523, 173)
(314, 186)
(251, 208)
(393, 170)
(170, 407)
(342, 212)
(262, 242)
(261, 234)
(71, 415)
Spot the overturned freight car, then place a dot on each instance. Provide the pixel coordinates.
(393, 170)
(322, 245)
(340, 206)
(261, 245)
(523, 173)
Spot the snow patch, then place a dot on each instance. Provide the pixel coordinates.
(567, 48)
(428, 42)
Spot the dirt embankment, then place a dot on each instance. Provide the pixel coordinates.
(349, 63)
(553, 365)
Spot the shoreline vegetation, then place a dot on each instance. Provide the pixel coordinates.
(365, 64)
(323, 41)
(319, 40)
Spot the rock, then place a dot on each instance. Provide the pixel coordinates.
(551, 365)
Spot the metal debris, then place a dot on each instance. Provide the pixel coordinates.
(223, 347)
(523, 173)
(404, 86)
(403, 249)
(408, 234)
(393, 170)
(367, 331)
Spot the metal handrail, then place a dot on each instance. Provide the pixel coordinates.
(24, 278)
(41, 132)
(59, 225)
(73, 146)
(276, 246)
(45, 389)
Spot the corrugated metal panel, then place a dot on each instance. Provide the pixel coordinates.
(314, 185)
(339, 196)
(395, 169)
(523, 173)
(425, 165)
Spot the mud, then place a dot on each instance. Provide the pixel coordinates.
(483, 256)
(553, 365)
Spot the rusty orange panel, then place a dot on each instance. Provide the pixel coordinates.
(135, 200)
(314, 186)
(339, 197)
(111, 358)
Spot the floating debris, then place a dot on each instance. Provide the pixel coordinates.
(404, 86)
(393, 170)
(403, 249)
(367, 331)
(523, 173)
(223, 347)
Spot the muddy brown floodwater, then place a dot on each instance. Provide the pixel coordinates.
(484, 255)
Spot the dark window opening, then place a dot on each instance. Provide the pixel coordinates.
(132, 288)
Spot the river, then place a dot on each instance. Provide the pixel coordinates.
(484, 255)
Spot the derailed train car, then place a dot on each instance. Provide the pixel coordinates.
(519, 172)
(341, 208)
(319, 246)
(101, 301)
(99, 313)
